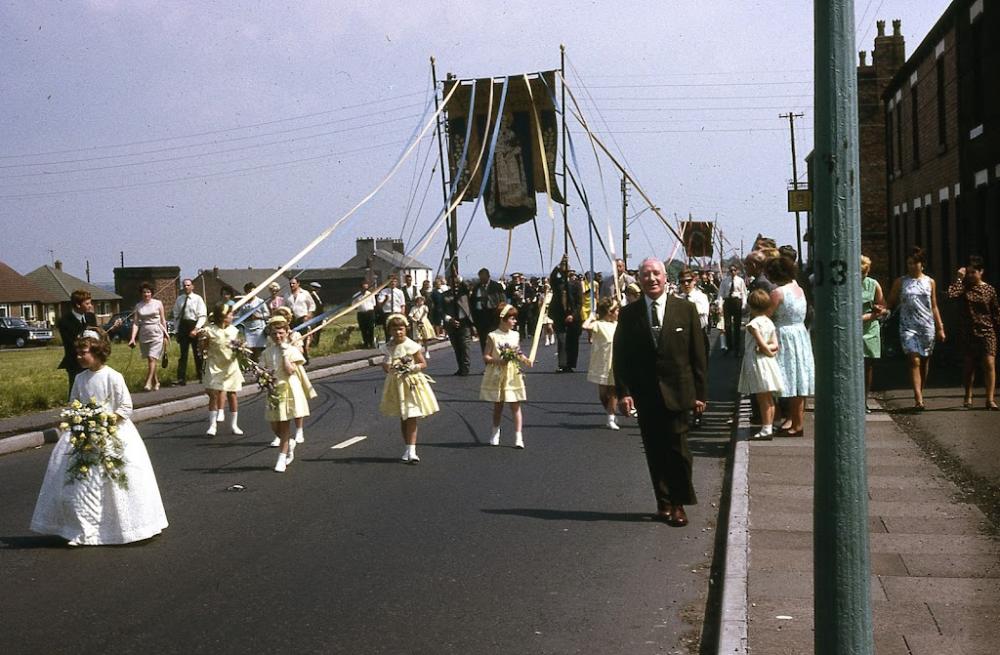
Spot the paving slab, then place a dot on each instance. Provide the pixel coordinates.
(936, 510)
(948, 566)
(781, 540)
(920, 644)
(969, 525)
(792, 584)
(935, 544)
(968, 622)
(959, 591)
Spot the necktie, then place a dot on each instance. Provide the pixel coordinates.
(183, 307)
(654, 319)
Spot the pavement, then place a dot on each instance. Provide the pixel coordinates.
(935, 557)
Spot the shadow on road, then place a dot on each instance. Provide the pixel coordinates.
(571, 515)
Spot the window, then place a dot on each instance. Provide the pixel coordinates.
(4, 310)
(899, 138)
(978, 74)
(890, 161)
(947, 255)
(915, 126)
(28, 312)
(942, 121)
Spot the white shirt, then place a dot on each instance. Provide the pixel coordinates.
(301, 303)
(700, 300)
(734, 287)
(195, 309)
(368, 304)
(659, 304)
(392, 300)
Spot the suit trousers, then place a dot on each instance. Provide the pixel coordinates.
(185, 341)
(461, 338)
(568, 344)
(732, 314)
(664, 439)
(366, 323)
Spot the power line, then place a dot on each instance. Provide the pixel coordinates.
(692, 84)
(211, 132)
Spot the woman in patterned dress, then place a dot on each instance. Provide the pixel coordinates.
(919, 320)
(980, 323)
(149, 324)
(795, 356)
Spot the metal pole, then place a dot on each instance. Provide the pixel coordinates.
(452, 221)
(565, 207)
(624, 225)
(841, 569)
(791, 116)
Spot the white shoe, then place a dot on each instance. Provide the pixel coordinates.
(406, 456)
(414, 459)
(299, 437)
(282, 462)
(290, 457)
(518, 440)
(275, 442)
(612, 425)
(73, 542)
(233, 427)
(220, 415)
(495, 438)
(211, 428)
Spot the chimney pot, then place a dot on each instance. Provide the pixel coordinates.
(215, 271)
(864, 57)
(58, 265)
(880, 24)
(896, 24)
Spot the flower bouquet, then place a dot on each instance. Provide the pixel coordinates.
(511, 354)
(94, 442)
(403, 366)
(266, 378)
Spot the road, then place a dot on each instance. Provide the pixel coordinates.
(477, 549)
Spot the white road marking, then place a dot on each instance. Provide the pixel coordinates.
(349, 442)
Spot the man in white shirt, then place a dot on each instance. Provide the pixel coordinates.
(733, 292)
(391, 300)
(410, 292)
(303, 308)
(189, 315)
(366, 314)
(689, 291)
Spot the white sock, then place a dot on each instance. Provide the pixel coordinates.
(299, 436)
(220, 415)
(495, 436)
(211, 422)
(518, 440)
(233, 426)
(766, 429)
(411, 451)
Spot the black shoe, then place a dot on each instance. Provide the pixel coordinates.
(180, 383)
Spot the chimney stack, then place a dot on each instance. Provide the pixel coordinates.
(896, 24)
(58, 265)
(863, 56)
(880, 24)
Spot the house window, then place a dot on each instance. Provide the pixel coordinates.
(947, 255)
(890, 159)
(942, 121)
(899, 138)
(28, 312)
(978, 74)
(915, 126)
(4, 310)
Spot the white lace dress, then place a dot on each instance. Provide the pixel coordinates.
(95, 510)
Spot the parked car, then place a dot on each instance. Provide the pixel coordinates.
(15, 331)
(124, 330)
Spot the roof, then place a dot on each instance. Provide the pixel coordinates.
(926, 47)
(392, 258)
(238, 278)
(15, 287)
(61, 284)
(330, 274)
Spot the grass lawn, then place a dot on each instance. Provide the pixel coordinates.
(30, 381)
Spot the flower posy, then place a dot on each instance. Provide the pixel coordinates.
(94, 442)
(511, 354)
(403, 365)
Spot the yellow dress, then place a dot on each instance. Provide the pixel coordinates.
(502, 381)
(222, 369)
(409, 395)
(420, 324)
(599, 370)
(295, 390)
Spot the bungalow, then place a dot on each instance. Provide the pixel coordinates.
(60, 284)
(22, 297)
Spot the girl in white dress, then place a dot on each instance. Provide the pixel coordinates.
(502, 379)
(423, 331)
(602, 331)
(407, 390)
(222, 375)
(760, 374)
(292, 389)
(94, 509)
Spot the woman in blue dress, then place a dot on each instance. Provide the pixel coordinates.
(795, 355)
(919, 320)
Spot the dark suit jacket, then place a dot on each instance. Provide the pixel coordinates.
(674, 370)
(567, 299)
(493, 297)
(69, 330)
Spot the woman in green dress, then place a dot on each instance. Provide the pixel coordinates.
(872, 309)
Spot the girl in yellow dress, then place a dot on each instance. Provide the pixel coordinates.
(289, 397)
(602, 331)
(297, 342)
(222, 375)
(502, 379)
(422, 330)
(407, 391)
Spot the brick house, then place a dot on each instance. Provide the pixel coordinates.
(166, 282)
(942, 127)
(21, 297)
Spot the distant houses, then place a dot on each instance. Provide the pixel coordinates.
(22, 297)
(59, 284)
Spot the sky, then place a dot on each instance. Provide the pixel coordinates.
(232, 133)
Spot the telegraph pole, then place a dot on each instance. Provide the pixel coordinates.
(565, 207)
(841, 567)
(791, 116)
(624, 219)
(452, 222)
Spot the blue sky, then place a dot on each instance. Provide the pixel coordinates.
(230, 134)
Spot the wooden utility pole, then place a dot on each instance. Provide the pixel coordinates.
(624, 221)
(452, 220)
(565, 207)
(791, 116)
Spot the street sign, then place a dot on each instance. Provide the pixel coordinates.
(800, 200)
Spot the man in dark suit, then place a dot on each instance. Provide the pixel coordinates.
(487, 295)
(566, 312)
(660, 371)
(457, 317)
(71, 325)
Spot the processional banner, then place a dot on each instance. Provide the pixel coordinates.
(697, 237)
(517, 173)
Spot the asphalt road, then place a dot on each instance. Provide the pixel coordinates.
(550, 549)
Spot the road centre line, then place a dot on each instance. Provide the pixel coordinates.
(349, 442)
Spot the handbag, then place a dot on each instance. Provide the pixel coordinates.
(166, 360)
